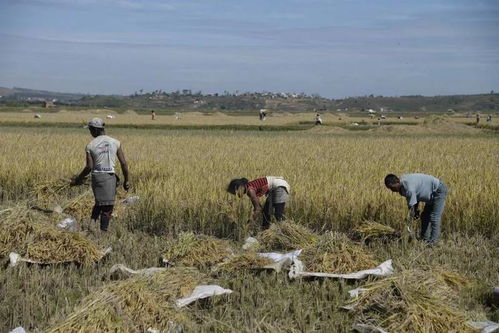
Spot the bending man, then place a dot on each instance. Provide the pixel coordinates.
(275, 188)
(417, 187)
(101, 155)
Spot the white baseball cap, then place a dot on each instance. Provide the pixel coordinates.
(96, 123)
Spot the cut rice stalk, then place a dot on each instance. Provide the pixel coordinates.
(286, 236)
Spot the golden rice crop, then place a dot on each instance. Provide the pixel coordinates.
(189, 249)
(413, 301)
(335, 253)
(134, 305)
(243, 262)
(370, 229)
(33, 236)
(286, 235)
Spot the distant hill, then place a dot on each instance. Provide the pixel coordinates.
(22, 94)
(187, 101)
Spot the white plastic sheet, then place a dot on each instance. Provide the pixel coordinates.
(202, 291)
(18, 330)
(15, 259)
(249, 243)
(281, 260)
(120, 268)
(485, 326)
(384, 269)
(68, 223)
(365, 328)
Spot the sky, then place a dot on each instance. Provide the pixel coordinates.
(335, 48)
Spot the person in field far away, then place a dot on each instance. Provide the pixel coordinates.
(101, 155)
(417, 187)
(276, 189)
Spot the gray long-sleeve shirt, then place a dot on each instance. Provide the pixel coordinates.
(418, 187)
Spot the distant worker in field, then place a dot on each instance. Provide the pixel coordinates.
(153, 115)
(101, 155)
(489, 118)
(318, 119)
(417, 187)
(275, 188)
(477, 118)
(263, 114)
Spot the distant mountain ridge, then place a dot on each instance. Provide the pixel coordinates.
(186, 100)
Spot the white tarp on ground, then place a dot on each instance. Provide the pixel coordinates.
(298, 271)
(18, 330)
(202, 291)
(122, 269)
(365, 328)
(15, 259)
(485, 326)
(281, 260)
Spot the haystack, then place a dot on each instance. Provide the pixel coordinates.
(135, 305)
(413, 301)
(335, 253)
(189, 249)
(286, 236)
(244, 262)
(369, 230)
(32, 235)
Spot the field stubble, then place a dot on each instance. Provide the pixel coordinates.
(336, 180)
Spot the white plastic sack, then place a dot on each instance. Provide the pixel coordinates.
(281, 260)
(365, 328)
(202, 291)
(249, 243)
(15, 258)
(68, 223)
(384, 269)
(119, 268)
(485, 326)
(18, 330)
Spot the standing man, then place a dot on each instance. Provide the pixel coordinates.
(101, 155)
(416, 187)
(153, 115)
(275, 188)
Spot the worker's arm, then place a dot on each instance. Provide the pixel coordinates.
(257, 209)
(86, 170)
(124, 168)
(414, 211)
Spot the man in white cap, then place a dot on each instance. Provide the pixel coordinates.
(101, 155)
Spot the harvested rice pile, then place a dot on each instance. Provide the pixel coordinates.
(135, 305)
(371, 229)
(414, 301)
(189, 249)
(286, 236)
(244, 262)
(335, 253)
(32, 236)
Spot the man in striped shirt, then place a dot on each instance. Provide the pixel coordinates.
(275, 188)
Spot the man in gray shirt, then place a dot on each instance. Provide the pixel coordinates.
(416, 187)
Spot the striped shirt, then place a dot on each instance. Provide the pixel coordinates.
(260, 186)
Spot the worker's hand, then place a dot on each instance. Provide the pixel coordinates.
(75, 181)
(126, 186)
(256, 214)
(416, 214)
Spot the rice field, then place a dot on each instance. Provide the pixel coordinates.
(336, 179)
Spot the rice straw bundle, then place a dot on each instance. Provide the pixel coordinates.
(286, 236)
(335, 253)
(413, 301)
(134, 305)
(371, 229)
(189, 249)
(32, 236)
(244, 262)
